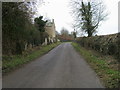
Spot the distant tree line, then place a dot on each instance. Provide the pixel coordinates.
(65, 36)
(18, 29)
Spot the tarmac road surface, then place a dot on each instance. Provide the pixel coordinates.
(62, 67)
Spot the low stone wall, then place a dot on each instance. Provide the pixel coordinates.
(106, 44)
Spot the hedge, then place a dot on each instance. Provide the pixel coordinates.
(106, 44)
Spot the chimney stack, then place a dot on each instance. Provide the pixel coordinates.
(53, 20)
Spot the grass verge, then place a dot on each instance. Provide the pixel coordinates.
(109, 76)
(10, 63)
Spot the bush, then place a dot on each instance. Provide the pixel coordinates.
(112, 48)
(107, 44)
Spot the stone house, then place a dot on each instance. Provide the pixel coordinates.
(50, 29)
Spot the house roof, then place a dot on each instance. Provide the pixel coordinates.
(49, 23)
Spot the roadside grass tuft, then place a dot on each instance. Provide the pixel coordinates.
(10, 63)
(109, 76)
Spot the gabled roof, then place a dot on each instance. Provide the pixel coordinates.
(49, 23)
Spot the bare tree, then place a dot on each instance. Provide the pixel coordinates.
(88, 15)
(64, 31)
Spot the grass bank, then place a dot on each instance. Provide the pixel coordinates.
(10, 63)
(108, 73)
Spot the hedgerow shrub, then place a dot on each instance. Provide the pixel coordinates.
(106, 44)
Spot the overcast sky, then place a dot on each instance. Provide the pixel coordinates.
(59, 10)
